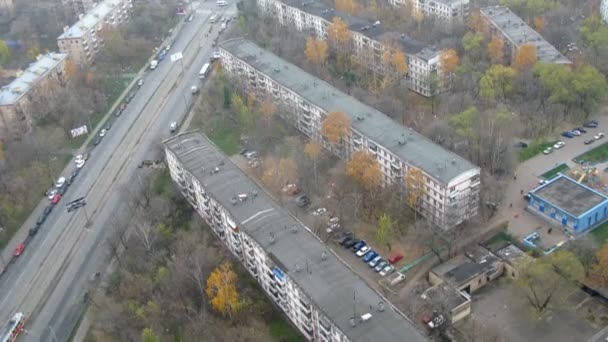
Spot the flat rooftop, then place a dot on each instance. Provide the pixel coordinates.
(512, 254)
(569, 195)
(460, 269)
(330, 283)
(404, 142)
(12, 92)
(90, 19)
(372, 29)
(447, 295)
(519, 33)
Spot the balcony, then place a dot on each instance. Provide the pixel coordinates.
(395, 167)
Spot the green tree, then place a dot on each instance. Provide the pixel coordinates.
(385, 227)
(555, 80)
(594, 34)
(497, 82)
(548, 280)
(227, 97)
(589, 88)
(4, 52)
(148, 335)
(464, 123)
(472, 43)
(244, 115)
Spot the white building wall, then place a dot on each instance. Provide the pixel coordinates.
(447, 12)
(604, 10)
(284, 292)
(446, 205)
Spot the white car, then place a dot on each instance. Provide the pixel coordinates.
(79, 162)
(386, 270)
(103, 132)
(51, 193)
(216, 55)
(173, 126)
(194, 90)
(140, 82)
(598, 136)
(60, 182)
(559, 145)
(319, 211)
(576, 132)
(548, 150)
(333, 220)
(363, 251)
(168, 47)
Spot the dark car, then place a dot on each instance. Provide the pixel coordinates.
(527, 197)
(589, 141)
(302, 200)
(567, 134)
(34, 230)
(130, 97)
(244, 151)
(162, 55)
(521, 144)
(121, 109)
(108, 125)
(345, 241)
(44, 215)
(351, 243)
(63, 189)
(358, 246)
(591, 124)
(97, 140)
(580, 129)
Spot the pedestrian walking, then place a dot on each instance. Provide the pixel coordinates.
(510, 205)
(521, 192)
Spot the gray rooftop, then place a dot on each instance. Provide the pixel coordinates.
(569, 195)
(419, 151)
(90, 20)
(460, 269)
(329, 283)
(370, 28)
(512, 254)
(12, 92)
(519, 33)
(446, 295)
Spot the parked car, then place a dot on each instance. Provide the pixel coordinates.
(527, 197)
(580, 129)
(559, 145)
(387, 270)
(589, 141)
(60, 182)
(591, 124)
(34, 230)
(121, 109)
(56, 198)
(72, 176)
(51, 193)
(380, 265)
(319, 211)
(302, 200)
(97, 140)
(395, 258)
(103, 132)
(251, 154)
(108, 125)
(576, 132)
(548, 150)
(369, 256)
(130, 97)
(374, 261)
(173, 126)
(79, 161)
(357, 246)
(567, 134)
(19, 250)
(520, 144)
(351, 243)
(346, 241)
(361, 252)
(140, 82)
(598, 136)
(190, 18)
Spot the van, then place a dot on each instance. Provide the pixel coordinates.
(203, 71)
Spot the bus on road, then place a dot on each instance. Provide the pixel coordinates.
(203, 71)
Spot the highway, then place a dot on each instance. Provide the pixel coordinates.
(50, 279)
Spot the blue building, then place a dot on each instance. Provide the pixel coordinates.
(569, 204)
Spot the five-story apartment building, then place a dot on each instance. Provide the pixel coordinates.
(370, 40)
(450, 183)
(447, 12)
(321, 295)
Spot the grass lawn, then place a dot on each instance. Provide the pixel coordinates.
(596, 155)
(534, 148)
(281, 331)
(600, 234)
(225, 136)
(554, 171)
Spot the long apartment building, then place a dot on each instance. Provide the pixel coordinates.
(322, 296)
(39, 79)
(369, 39)
(500, 20)
(451, 184)
(604, 10)
(447, 12)
(84, 39)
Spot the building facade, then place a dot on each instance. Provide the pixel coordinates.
(84, 39)
(604, 10)
(39, 79)
(448, 185)
(368, 40)
(501, 21)
(447, 12)
(568, 204)
(321, 295)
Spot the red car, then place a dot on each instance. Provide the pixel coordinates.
(19, 250)
(56, 199)
(395, 258)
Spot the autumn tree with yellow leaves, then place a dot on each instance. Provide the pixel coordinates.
(316, 50)
(496, 50)
(598, 275)
(267, 109)
(414, 185)
(365, 170)
(222, 292)
(279, 172)
(312, 150)
(474, 22)
(335, 127)
(339, 37)
(526, 57)
(449, 61)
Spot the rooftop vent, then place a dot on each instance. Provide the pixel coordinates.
(294, 229)
(215, 170)
(380, 306)
(377, 23)
(323, 256)
(242, 197)
(271, 238)
(353, 322)
(297, 268)
(234, 201)
(360, 118)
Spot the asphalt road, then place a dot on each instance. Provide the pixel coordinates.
(50, 279)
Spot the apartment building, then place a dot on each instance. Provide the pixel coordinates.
(451, 184)
(446, 12)
(38, 79)
(604, 10)
(84, 39)
(369, 40)
(515, 32)
(322, 296)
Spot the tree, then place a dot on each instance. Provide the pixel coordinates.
(598, 274)
(4, 52)
(496, 50)
(148, 335)
(312, 150)
(279, 172)
(335, 127)
(594, 34)
(365, 170)
(243, 113)
(339, 36)
(448, 61)
(399, 63)
(539, 23)
(547, 280)
(474, 22)
(471, 42)
(385, 227)
(589, 88)
(316, 50)
(414, 185)
(222, 292)
(496, 82)
(352, 7)
(526, 57)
